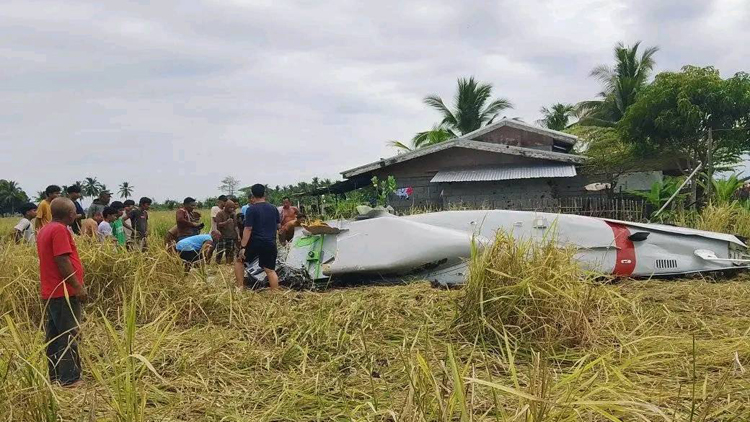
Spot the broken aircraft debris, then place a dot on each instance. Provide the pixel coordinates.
(436, 246)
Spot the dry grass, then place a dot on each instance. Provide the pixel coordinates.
(161, 346)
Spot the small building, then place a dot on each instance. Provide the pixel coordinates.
(502, 165)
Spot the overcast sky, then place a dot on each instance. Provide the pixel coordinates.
(173, 96)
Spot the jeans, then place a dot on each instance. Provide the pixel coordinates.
(62, 339)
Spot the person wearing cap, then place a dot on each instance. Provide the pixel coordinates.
(98, 204)
(24, 230)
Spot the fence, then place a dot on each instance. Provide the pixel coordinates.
(594, 206)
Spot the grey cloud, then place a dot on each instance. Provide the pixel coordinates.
(172, 96)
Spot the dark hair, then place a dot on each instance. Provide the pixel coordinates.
(117, 205)
(105, 193)
(188, 200)
(222, 198)
(74, 189)
(144, 200)
(258, 190)
(109, 211)
(27, 207)
(52, 189)
(129, 203)
(286, 198)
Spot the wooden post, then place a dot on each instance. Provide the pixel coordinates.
(710, 165)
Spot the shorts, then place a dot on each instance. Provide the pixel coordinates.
(265, 253)
(190, 256)
(226, 246)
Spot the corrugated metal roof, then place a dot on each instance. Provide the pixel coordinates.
(505, 173)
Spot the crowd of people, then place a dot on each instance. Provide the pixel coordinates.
(238, 237)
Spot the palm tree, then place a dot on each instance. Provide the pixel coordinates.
(424, 139)
(622, 83)
(472, 109)
(91, 187)
(11, 195)
(557, 116)
(126, 190)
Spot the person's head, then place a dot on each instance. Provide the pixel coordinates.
(110, 214)
(189, 204)
(286, 202)
(63, 210)
(258, 191)
(250, 197)
(104, 197)
(52, 192)
(28, 210)
(215, 235)
(74, 192)
(129, 204)
(98, 217)
(144, 203)
(221, 201)
(229, 207)
(118, 206)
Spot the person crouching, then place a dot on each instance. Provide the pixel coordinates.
(197, 249)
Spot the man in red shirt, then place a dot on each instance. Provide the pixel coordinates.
(61, 275)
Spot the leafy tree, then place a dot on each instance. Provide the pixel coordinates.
(621, 85)
(11, 196)
(126, 190)
(91, 187)
(557, 117)
(40, 196)
(673, 115)
(609, 156)
(473, 107)
(229, 185)
(425, 139)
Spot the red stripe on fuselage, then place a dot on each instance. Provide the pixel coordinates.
(625, 260)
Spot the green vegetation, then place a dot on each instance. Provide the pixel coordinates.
(557, 117)
(473, 109)
(512, 345)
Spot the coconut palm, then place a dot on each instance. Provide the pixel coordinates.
(621, 83)
(557, 117)
(91, 187)
(11, 195)
(424, 139)
(126, 190)
(472, 108)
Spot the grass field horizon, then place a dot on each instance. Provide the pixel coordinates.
(530, 340)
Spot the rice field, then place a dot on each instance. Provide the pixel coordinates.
(526, 340)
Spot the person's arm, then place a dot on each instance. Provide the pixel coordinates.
(68, 274)
(246, 232)
(17, 235)
(207, 250)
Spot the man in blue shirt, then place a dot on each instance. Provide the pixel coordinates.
(198, 248)
(259, 237)
(74, 194)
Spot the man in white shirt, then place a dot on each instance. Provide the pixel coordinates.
(216, 209)
(105, 227)
(24, 230)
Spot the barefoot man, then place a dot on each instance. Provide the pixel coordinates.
(288, 215)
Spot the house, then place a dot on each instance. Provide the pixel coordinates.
(497, 166)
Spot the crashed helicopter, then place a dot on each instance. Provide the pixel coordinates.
(436, 246)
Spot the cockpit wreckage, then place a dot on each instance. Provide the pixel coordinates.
(436, 246)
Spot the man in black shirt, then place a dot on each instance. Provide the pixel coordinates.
(259, 236)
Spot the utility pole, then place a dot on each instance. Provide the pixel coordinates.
(710, 164)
